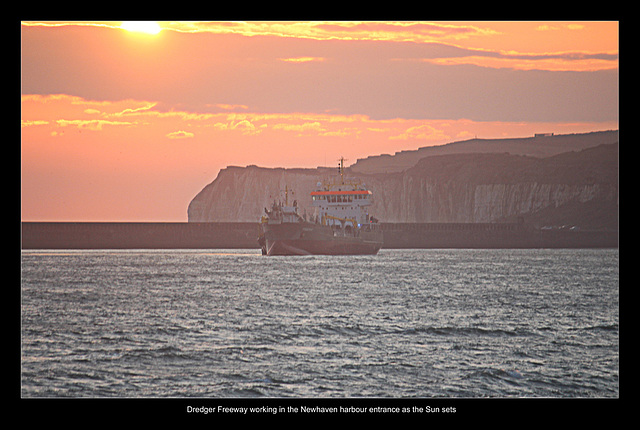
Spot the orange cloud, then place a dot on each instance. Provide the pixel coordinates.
(553, 62)
(139, 169)
(95, 124)
(27, 123)
(346, 30)
(144, 120)
(180, 135)
(239, 123)
(553, 26)
(422, 132)
(302, 59)
(301, 128)
(555, 46)
(230, 107)
(135, 110)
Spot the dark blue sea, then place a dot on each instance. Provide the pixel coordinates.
(404, 323)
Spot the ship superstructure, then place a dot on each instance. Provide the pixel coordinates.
(341, 224)
(343, 205)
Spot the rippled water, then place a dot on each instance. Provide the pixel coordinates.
(404, 323)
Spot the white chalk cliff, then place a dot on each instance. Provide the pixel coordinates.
(450, 183)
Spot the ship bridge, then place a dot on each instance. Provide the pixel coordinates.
(342, 203)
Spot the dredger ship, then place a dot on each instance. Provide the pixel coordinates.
(341, 224)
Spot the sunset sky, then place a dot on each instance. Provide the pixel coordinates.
(126, 125)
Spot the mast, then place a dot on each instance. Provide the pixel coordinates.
(341, 170)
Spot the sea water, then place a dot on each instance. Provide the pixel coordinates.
(403, 323)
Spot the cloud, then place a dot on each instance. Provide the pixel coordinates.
(27, 123)
(51, 98)
(421, 132)
(557, 62)
(229, 106)
(551, 27)
(245, 125)
(448, 55)
(402, 31)
(300, 128)
(240, 123)
(302, 59)
(382, 79)
(180, 135)
(345, 30)
(94, 125)
(135, 110)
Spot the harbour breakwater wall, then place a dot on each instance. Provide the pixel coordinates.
(243, 235)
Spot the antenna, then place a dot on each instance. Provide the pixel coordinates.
(341, 169)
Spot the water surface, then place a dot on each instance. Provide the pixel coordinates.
(404, 323)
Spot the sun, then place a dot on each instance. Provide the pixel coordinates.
(148, 27)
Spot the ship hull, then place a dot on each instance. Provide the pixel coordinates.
(314, 239)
